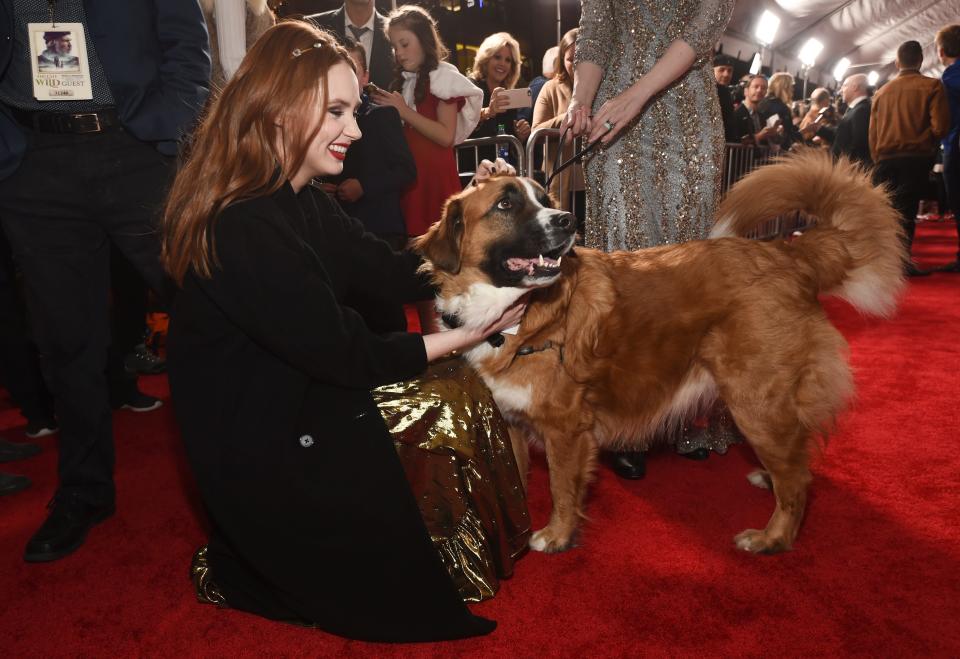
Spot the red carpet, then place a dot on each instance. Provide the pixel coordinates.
(875, 571)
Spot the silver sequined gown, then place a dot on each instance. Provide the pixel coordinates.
(658, 183)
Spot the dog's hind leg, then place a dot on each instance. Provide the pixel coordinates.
(783, 453)
(571, 461)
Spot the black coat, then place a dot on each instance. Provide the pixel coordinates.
(312, 517)
(382, 162)
(382, 64)
(731, 131)
(742, 124)
(851, 137)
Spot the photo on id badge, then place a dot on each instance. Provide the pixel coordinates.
(60, 68)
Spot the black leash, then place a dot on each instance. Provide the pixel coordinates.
(576, 157)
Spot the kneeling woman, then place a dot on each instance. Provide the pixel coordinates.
(312, 517)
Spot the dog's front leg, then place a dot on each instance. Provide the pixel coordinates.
(571, 460)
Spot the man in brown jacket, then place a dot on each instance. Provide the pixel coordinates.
(909, 116)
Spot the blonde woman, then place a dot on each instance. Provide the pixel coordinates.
(495, 70)
(777, 102)
(549, 112)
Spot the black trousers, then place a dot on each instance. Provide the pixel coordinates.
(72, 196)
(951, 180)
(19, 364)
(907, 177)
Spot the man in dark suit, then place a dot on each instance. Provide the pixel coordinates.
(360, 20)
(76, 176)
(851, 137)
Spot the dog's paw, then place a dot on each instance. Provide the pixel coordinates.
(759, 542)
(761, 479)
(549, 542)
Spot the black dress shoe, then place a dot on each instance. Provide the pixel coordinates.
(66, 528)
(10, 483)
(630, 464)
(10, 451)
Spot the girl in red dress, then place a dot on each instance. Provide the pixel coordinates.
(439, 107)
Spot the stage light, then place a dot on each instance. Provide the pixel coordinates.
(756, 64)
(808, 54)
(873, 78)
(840, 69)
(767, 27)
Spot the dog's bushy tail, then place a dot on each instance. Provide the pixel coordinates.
(855, 247)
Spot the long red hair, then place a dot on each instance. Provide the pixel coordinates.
(260, 122)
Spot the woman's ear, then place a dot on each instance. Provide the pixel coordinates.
(442, 242)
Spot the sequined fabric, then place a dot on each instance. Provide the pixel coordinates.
(456, 450)
(658, 183)
(203, 585)
(719, 433)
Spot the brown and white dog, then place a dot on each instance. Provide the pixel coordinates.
(615, 347)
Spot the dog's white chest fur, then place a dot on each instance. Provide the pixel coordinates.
(478, 307)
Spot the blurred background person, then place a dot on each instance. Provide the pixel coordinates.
(777, 104)
(495, 70)
(851, 136)
(376, 171)
(548, 70)
(233, 26)
(723, 74)
(750, 128)
(550, 111)
(360, 21)
(819, 99)
(908, 118)
(439, 107)
(948, 50)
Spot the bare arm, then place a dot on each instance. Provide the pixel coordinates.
(442, 131)
(622, 109)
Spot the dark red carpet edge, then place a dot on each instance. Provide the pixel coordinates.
(874, 572)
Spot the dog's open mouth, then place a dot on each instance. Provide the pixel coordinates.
(542, 265)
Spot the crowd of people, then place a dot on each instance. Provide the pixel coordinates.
(905, 131)
(272, 217)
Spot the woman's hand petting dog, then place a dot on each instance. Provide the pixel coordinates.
(487, 169)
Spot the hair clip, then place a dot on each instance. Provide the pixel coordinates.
(297, 52)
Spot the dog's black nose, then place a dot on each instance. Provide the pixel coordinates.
(563, 220)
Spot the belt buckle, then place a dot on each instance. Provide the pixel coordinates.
(80, 123)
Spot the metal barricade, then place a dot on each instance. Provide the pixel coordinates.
(472, 145)
(739, 160)
(541, 139)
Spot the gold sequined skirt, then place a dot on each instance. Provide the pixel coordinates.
(456, 451)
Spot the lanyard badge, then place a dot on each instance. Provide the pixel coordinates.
(58, 58)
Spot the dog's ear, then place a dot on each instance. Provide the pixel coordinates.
(441, 243)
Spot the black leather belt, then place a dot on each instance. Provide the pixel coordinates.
(64, 122)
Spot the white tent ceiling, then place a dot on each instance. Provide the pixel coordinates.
(867, 32)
